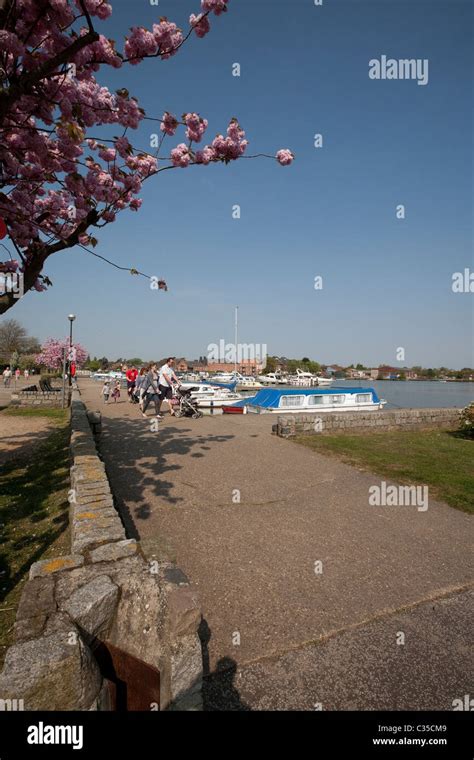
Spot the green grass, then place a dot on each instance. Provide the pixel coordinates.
(33, 515)
(442, 460)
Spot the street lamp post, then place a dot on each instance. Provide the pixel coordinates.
(71, 318)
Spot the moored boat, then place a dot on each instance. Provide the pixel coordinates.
(310, 400)
(210, 396)
(273, 378)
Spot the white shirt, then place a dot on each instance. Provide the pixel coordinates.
(165, 370)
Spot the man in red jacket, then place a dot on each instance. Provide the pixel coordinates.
(131, 375)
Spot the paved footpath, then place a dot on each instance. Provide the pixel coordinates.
(249, 517)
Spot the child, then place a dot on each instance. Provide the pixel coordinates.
(106, 392)
(116, 391)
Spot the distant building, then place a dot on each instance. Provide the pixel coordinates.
(388, 373)
(245, 367)
(356, 373)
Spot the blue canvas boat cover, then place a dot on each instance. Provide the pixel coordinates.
(269, 398)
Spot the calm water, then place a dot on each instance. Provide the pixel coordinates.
(414, 394)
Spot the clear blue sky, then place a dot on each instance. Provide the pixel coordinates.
(304, 70)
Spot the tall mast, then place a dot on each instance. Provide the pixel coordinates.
(235, 337)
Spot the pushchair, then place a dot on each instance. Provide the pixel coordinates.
(185, 405)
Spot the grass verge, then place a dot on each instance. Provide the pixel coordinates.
(33, 513)
(441, 460)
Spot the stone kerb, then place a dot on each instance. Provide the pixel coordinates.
(105, 590)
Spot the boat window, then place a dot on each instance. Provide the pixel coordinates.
(362, 398)
(292, 401)
(313, 400)
(338, 399)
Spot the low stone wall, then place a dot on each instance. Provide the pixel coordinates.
(39, 398)
(105, 590)
(367, 422)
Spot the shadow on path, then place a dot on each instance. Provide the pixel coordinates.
(137, 460)
(218, 690)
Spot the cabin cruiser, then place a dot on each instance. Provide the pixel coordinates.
(246, 382)
(303, 379)
(210, 396)
(273, 378)
(308, 401)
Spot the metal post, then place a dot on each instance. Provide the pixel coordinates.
(235, 337)
(64, 379)
(70, 347)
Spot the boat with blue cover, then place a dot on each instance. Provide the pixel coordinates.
(308, 400)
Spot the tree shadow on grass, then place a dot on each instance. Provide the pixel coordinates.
(461, 434)
(28, 487)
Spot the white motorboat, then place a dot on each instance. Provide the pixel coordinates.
(209, 396)
(273, 378)
(246, 382)
(303, 379)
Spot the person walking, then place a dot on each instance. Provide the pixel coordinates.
(26, 374)
(131, 375)
(151, 392)
(116, 391)
(167, 380)
(7, 377)
(106, 392)
(138, 393)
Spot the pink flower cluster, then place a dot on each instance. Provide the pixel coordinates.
(164, 40)
(168, 37)
(217, 6)
(52, 353)
(196, 126)
(231, 147)
(169, 124)
(180, 156)
(200, 24)
(222, 148)
(284, 157)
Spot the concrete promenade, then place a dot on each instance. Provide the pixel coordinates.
(277, 632)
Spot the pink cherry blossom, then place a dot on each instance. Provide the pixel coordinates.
(169, 124)
(218, 6)
(284, 157)
(62, 180)
(180, 156)
(168, 38)
(200, 23)
(52, 353)
(206, 155)
(140, 44)
(196, 126)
